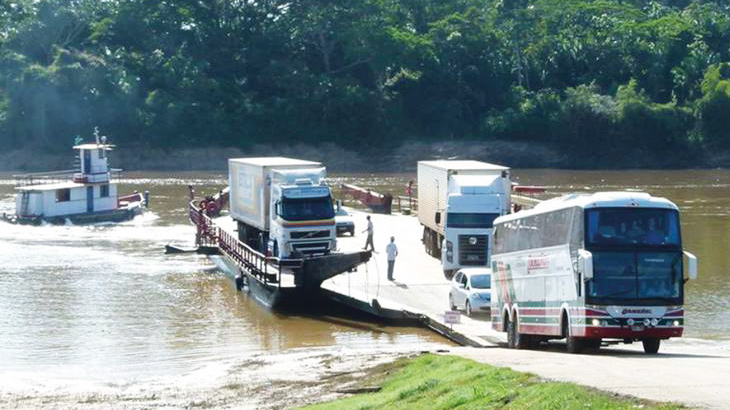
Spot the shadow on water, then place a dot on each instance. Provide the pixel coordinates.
(320, 307)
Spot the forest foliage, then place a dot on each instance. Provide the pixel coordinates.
(603, 80)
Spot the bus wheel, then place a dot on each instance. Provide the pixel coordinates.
(594, 344)
(516, 340)
(510, 334)
(572, 344)
(651, 345)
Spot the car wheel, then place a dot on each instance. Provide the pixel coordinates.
(467, 308)
(451, 302)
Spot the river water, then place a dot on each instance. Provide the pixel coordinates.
(89, 306)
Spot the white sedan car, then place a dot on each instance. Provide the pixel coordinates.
(471, 290)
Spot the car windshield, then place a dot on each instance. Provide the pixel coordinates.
(481, 282)
(632, 226)
(470, 220)
(632, 277)
(304, 209)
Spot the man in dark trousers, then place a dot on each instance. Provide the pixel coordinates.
(369, 230)
(392, 252)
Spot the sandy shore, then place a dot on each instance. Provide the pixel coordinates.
(263, 382)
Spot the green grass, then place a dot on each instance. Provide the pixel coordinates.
(433, 382)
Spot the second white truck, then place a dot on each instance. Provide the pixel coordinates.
(458, 202)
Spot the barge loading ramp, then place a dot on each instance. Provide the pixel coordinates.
(420, 290)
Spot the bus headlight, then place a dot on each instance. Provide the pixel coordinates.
(449, 251)
(630, 321)
(647, 322)
(654, 322)
(596, 322)
(676, 323)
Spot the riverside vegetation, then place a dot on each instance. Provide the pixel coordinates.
(608, 83)
(433, 382)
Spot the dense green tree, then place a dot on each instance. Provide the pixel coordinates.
(594, 78)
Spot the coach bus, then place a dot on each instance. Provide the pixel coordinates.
(591, 268)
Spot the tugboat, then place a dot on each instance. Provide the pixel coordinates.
(87, 194)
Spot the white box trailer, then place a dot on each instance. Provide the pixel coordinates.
(249, 180)
(457, 202)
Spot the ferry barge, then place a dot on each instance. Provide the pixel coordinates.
(265, 243)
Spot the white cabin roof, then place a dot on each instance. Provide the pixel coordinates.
(463, 165)
(619, 199)
(49, 187)
(107, 147)
(275, 162)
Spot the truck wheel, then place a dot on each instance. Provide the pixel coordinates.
(651, 345)
(448, 273)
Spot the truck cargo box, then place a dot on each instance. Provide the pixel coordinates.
(249, 181)
(433, 185)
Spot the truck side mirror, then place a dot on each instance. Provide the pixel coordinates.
(437, 218)
(277, 208)
(691, 265)
(585, 263)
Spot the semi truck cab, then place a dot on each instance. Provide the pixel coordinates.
(302, 214)
(472, 205)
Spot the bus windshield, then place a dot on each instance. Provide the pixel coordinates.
(633, 277)
(632, 226)
(470, 220)
(305, 209)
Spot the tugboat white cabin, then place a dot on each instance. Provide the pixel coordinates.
(86, 194)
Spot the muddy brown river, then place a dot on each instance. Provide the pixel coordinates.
(90, 309)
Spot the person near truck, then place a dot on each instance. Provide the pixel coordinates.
(369, 230)
(392, 252)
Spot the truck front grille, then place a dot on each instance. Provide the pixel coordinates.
(473, 250)
(309, 234)
(310, 248)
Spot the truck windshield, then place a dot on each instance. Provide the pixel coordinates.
(470, 220)
(628, 227)
(306, 209)
(636, 277)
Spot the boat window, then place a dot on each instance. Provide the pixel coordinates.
(63, 195)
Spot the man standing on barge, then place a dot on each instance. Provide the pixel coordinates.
(369, 230)
(392, 252)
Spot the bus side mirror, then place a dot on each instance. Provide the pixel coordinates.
(437, 218)
(691, 265)
(585, 264)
